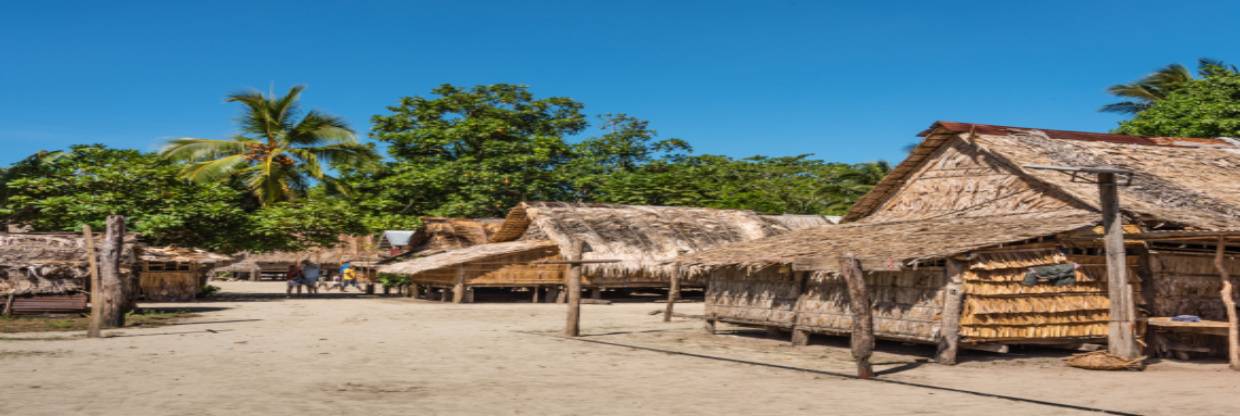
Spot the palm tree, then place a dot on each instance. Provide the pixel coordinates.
(276, 156)
(1158, 85)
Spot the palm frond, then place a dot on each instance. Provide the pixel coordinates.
(344, 154)
(212, 170)
(193, 149)
(1125, 107)
(316, 128)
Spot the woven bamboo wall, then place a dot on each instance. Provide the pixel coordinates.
(765, 297)
(510, 270)
(906, 304)
(998, 307)
(167, 282)
(959, 180)
(1189, 284)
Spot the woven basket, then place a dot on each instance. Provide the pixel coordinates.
(1102, 360)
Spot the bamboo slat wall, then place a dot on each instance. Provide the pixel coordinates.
(960, 181)
(999, 307)
(511, 270)
(765, 297)
(906, 304)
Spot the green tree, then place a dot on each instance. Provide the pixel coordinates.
(1207, 107)
(1148, 90)
(276, 156)
(472, 151)
(60, 191)
(626, 145)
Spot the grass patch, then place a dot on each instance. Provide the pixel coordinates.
(57, 323)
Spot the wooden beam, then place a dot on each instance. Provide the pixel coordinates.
(673, 293)
(1229, 301)
(862, 315)
(572, 285)
(113, 296)
(1121, 331)
(953, 301)
(96, 295)
(458, 288)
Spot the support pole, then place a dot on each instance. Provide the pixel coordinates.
(113, 297)
(1121, 331)
(1229, 301)
(862, 319)
(673, 293)
(96, 295)
(535, 291)
(572, 284)
(458, 289)
(953, 300)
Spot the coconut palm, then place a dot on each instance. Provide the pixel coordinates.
(1158, 85)
(276, 156)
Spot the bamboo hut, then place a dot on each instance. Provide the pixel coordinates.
(170, 274)
(360, 251)
(640, 239)
(949, 238)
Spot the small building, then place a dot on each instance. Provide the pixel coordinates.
(640, 239)
(970, 213)
(175, 274)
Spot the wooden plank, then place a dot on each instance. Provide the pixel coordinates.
(1229, 301)
(572, 285)
(862, 337)
(1121, 330)
(953, 302)
(96, 295)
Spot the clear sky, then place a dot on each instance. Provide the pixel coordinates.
(846, 81)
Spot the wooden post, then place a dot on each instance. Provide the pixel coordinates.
(560, 294)
(1229, 301)
(800, 337)
(458, 289)
(255, 273)
(535, 289)
(1121, 332)
(96, 295)
(112, 288)
(411, 290)
(572, 284)
(673, 293)
(862, 318)
(949, 324)
(596, 293)
(8, 304)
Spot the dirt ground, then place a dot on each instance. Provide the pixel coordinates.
(254, 352)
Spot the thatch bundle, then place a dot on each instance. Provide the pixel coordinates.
(1102, 360)
(645, 239)
(441, 233)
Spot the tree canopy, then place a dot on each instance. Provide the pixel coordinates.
(1207, 107)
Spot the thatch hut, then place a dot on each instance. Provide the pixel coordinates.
(360, 251)
(955, 229)
(640, 239)
(170, 274)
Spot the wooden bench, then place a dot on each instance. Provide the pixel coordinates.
(40, 304)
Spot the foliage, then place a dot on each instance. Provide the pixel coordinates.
(313, 222)
(60, 191)
(1143, 93)
(276, 156)
(473, 152)
(394, 280)
(1208, 107)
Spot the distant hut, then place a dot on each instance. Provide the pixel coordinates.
(168, 274)
(967, 213)
(359, 251)
(642, 239)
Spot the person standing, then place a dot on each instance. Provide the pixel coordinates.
(294, 279)
(348, 277)
(310, 273)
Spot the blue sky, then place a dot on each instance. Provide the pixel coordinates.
(846, 81)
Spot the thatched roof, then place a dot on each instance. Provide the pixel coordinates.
(799, 222)
(479, 252)
(889, 246)
(643, 238)
(183, 255)
(1187, 182)
(442, 233)
(356, 249)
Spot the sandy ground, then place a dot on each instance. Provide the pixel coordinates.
(262, 354)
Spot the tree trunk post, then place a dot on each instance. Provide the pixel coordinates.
(572, 284)
(1121, 331)
(96, 295)
(112, 287)
(673, 293)
(953, 301)
(863, 321)
(1229, 301)
(458, 289)
(534, 297)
